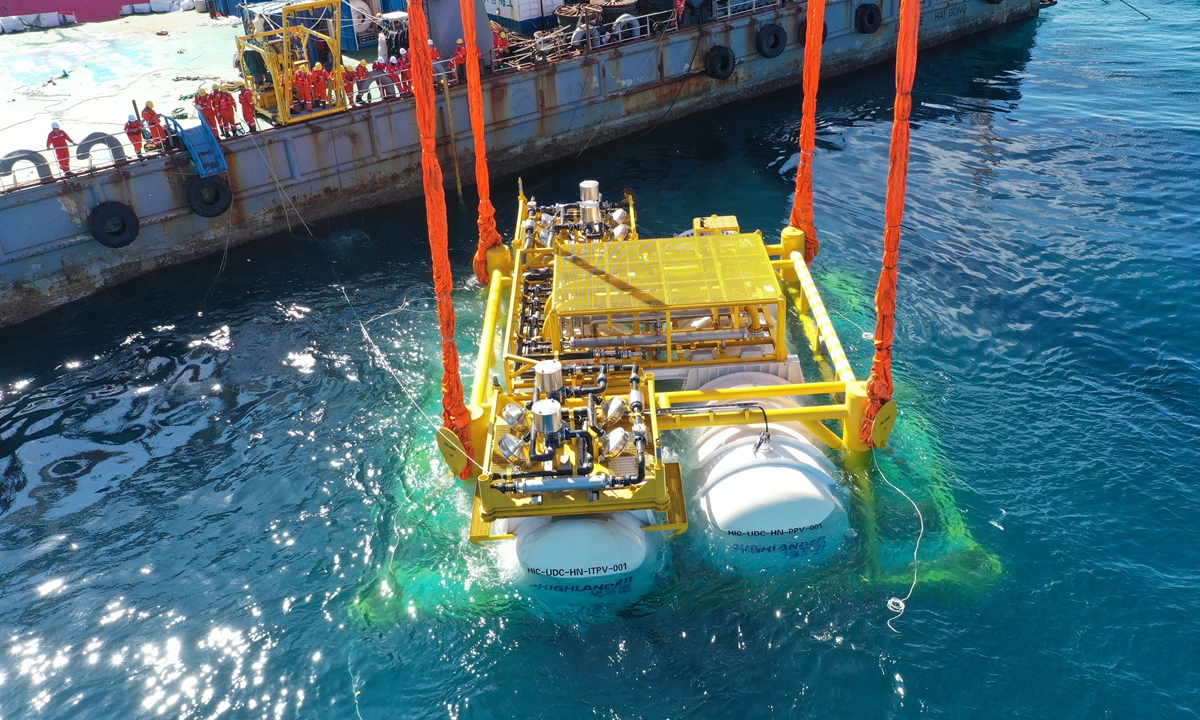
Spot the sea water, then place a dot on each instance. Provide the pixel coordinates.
(217, 498)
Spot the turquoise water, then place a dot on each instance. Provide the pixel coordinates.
(216, 500)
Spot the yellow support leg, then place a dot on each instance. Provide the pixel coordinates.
(677, 522)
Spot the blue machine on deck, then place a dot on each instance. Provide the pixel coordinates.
(202, 145)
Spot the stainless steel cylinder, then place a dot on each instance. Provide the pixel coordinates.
(589, 190)
(547, 376)
(589, 211)
(547, 417)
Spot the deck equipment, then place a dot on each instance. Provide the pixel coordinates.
(288, 38)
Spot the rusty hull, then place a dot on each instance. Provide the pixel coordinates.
(370, 156)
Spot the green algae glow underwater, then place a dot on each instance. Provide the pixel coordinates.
(449, 575)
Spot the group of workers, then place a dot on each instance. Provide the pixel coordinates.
(218, 109)
(146, 134)
(393, 77)
(310, 89)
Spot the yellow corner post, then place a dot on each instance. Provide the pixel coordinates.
(792, 240)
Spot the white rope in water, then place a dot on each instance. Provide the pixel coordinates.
(379, 356)
(897, 605)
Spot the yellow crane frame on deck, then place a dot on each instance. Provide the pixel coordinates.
(281, 50)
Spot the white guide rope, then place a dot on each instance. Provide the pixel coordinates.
(897, 605)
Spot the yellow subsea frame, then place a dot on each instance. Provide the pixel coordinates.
(593, 279)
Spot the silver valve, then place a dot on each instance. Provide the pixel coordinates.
(614, 410)
(514, 450)
(615, 442)
(514, 415)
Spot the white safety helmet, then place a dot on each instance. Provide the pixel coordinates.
(392, 59)
(403, 51)
(132, 118)
(54, 126)
(431, 41)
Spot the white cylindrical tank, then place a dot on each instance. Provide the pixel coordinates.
(773, 507)
(605, 557)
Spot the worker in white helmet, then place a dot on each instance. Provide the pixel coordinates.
(58, 140)
(133, 130)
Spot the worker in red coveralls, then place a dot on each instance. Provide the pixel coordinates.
(58, 140)
(393, 76)
(433, 52)
(246, 100)
(217, 101)
(680, 9)
(158, 136)
(362, 82)
(458, 63)
(499, 40)
(133, 131)
(379, 72)
(348, 84)
(206, 109)
(320, 83)
(302, 81)
(228, 107)
(404, 70)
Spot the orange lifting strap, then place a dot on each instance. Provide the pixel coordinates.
(454, 412)
(802, 205)
(488, 237)
(879, 386)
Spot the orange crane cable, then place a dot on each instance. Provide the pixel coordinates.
(488, 236)
(454, 411)
(802, 205)
(879, 385)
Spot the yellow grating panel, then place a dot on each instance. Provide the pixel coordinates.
(663, 272)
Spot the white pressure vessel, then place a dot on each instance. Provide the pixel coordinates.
(770, 506)
(605, 557)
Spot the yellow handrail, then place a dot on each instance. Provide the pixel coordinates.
(673, 398)
(824, 326)
(487, 340)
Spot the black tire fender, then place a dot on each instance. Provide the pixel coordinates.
(719, 63)
(114, 224)
(209, 197)
(994, 2)
(802, 31)
(867, 18)
(771, 40)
